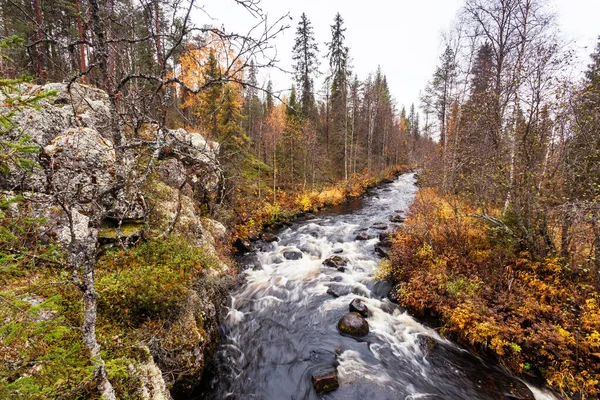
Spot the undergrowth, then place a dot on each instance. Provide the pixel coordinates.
(536, 316)
(143, 295)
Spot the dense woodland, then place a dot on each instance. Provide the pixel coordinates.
(502, 245)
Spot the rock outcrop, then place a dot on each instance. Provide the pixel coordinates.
(94, 177)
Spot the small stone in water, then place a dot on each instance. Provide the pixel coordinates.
(359, 306)
(325, 381)
(379, 225)
(269, 237)
(335, 262)
(362, 236)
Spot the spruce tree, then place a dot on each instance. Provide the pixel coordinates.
(306, 64)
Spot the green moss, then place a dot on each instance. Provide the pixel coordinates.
(151, 280)
(127, 229)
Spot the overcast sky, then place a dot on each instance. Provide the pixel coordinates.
(402, 36)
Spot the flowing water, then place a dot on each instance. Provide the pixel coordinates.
(280, 327)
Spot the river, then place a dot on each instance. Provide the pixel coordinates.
(279, 328)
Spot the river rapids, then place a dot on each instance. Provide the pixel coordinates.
(279, 328)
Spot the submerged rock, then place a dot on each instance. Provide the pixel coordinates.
(292, 255)
(338, 290)
(336, 262)
(325, 381)
(359, 306)
(353, 324)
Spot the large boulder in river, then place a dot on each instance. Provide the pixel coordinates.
(353, 324)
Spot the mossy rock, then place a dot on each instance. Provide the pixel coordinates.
(128, 229)
(353, 324)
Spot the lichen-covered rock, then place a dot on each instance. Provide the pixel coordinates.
(152, 385)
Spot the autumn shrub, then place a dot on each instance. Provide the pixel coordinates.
(459, 264)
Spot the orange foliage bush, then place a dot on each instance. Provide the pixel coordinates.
(454, 263)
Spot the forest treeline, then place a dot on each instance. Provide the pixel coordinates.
(503, 243)
(157, 65)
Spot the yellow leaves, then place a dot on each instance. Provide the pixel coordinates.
(461, 318)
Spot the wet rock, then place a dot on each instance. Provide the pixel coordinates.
(292, 255)
(338, 290)
(379, 225)
(336, 262)
(385, 236)
(243, 246)
(362, 236)
(325, 381)
(427, 343)
(399, 211)
(398, 219)
(382, 251)
(393, 294)
(353, 324)
(338, 278)
(338, 251)
(269, 237)
(387, 181)
(250, 261)
(359, 306)
(380, 288)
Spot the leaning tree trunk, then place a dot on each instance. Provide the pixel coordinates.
(82, 259)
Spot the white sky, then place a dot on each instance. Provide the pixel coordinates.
(402, 36)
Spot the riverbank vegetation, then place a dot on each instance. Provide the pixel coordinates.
(502, 246)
